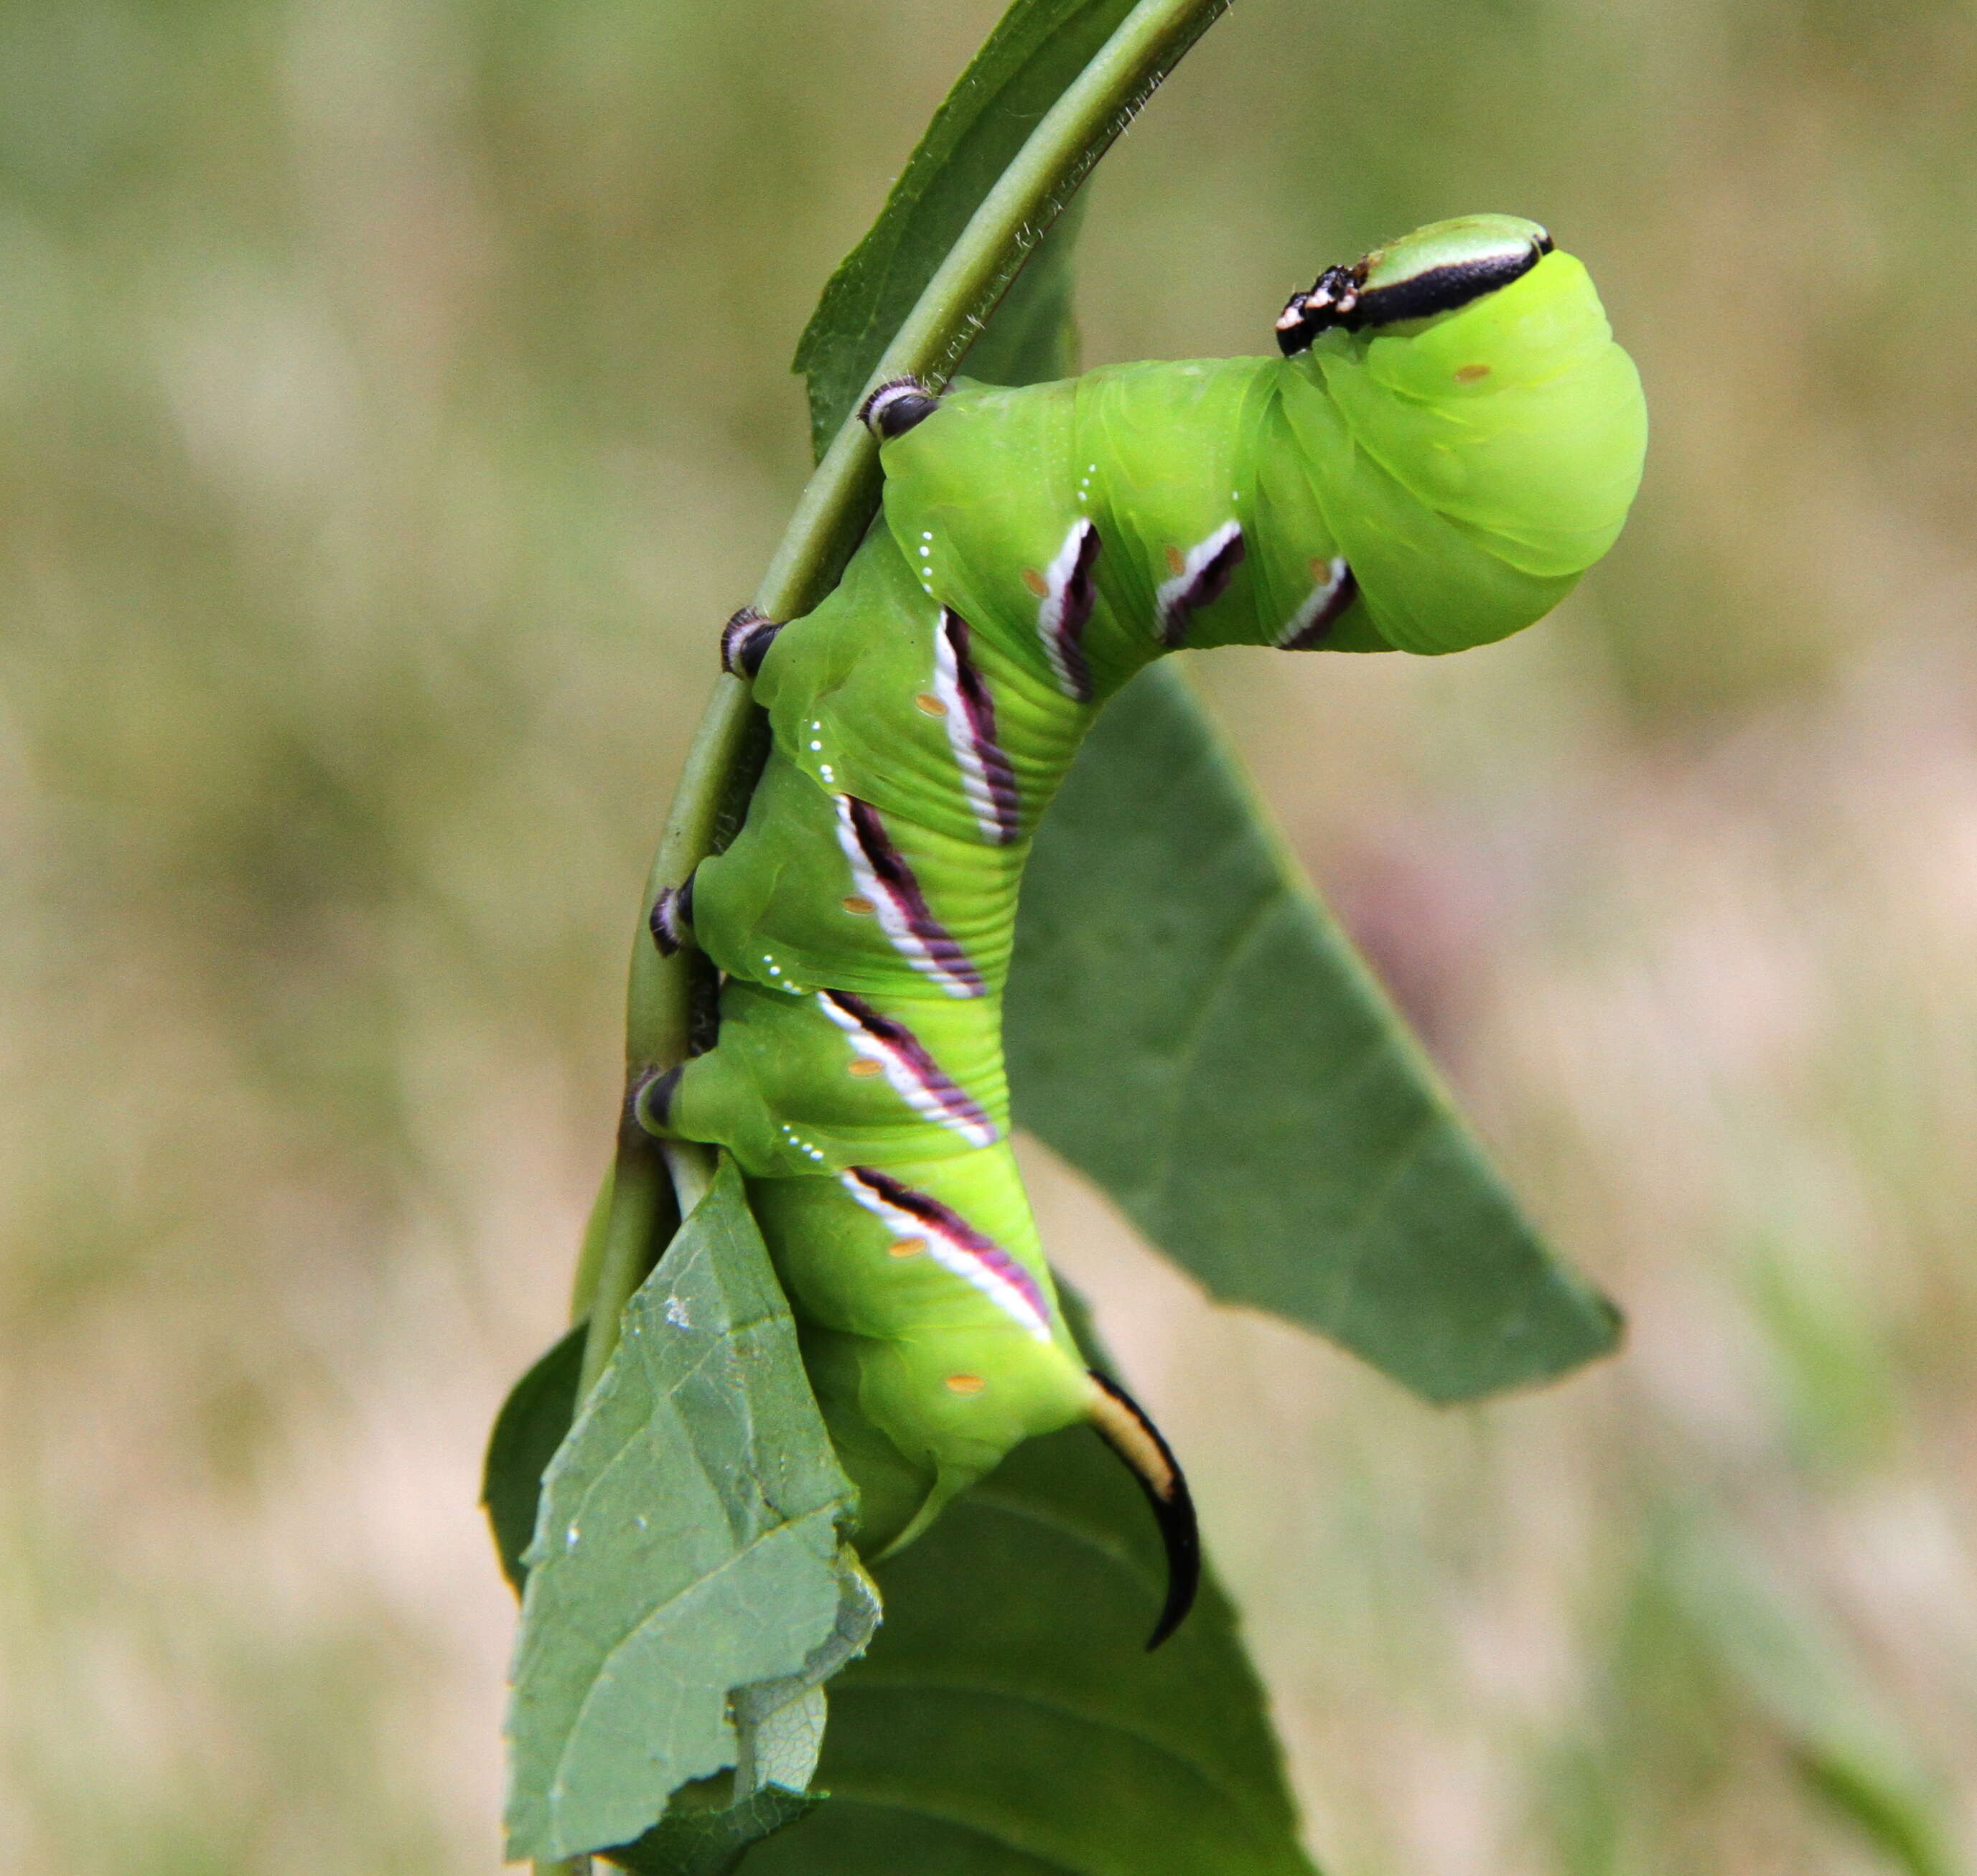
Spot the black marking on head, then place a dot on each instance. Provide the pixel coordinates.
(745, 640)
(1340, 296)
(1440, 289)
(1201, 583)
(896, 407)
(1122, 1423)
(1328, 301)
(672, 922)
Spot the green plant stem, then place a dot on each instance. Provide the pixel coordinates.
(641, 1206)
(835, 508)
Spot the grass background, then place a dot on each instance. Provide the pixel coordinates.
(393, 402)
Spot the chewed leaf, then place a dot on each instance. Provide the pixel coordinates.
(687, 1551)
(1008, 1720)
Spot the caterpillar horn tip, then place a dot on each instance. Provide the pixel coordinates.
(1122, 1423)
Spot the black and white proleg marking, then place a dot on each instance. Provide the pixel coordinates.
(672, 917)
(896, 407)
(745, 640)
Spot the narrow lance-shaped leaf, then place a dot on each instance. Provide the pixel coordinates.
(1038, 47)
(1188, 1027)
(1033, 334)
(686, 1586)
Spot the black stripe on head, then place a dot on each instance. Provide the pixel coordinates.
(654, 1102)
(1354, 299)
(1440, 289)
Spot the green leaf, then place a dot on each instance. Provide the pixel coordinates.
(710, 1840)
(686, 1585)
(527, 1431)
(1188, 1026)
(1036, 50)
(1009, 1721)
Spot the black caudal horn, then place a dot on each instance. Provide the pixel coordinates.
(1123, 1425)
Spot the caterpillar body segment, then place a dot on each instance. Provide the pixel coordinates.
(1421, 483)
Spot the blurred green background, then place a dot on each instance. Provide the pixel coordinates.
(393, 401)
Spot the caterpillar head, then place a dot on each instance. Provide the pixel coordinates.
(1478, 433)
(1435, 270)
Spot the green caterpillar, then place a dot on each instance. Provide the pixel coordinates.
(1449, 439)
